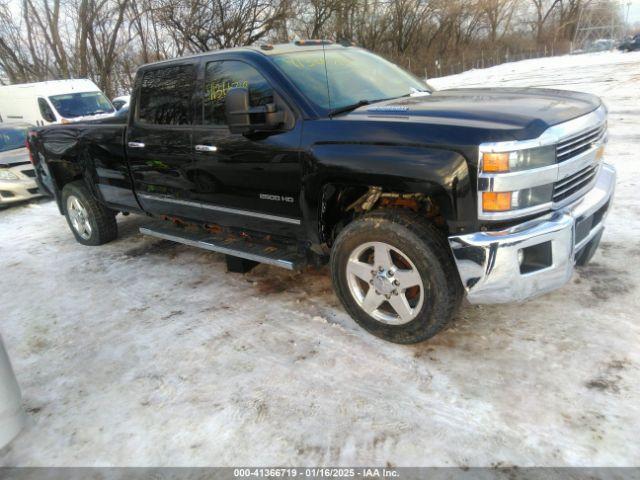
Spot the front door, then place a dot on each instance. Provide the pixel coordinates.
(253, 180)
(159, 141)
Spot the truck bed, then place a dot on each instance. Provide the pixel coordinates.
(91, 150)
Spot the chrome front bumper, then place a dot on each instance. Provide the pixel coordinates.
(490, 265)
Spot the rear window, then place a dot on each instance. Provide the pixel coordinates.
(12, 138)
(165, 96)
(72, 105)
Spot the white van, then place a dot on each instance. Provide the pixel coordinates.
(56, 101)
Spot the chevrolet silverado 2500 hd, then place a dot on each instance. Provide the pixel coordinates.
(313, 152)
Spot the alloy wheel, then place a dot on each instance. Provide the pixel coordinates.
(385, 283)
(78, 217)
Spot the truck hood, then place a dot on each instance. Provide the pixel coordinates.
(14, 157)
(516, 113)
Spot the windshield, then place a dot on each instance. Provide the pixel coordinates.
(12, 138)
(80, 104)
(354, 76)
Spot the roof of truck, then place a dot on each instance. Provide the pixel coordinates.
(265, 49)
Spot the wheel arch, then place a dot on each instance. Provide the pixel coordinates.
(343, 202)
(428, 180)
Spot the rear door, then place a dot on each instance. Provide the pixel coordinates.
(159, 140)
(252, 180)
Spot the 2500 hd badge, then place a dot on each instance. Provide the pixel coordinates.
(276, 198)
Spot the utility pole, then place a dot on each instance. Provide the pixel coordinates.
(596, 20)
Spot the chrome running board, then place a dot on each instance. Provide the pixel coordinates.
(278, 256)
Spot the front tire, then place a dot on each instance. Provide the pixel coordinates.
(394, 275)
(91, 222)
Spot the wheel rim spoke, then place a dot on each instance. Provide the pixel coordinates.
(408, 278)
(382, 256)
(401, 305)
(360, 269)
(372, 301)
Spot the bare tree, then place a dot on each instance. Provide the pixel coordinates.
(107, 39)
(371, 24)
(498, 15)
(569, 14)
(46, 17)
(202, 25)
(543, 10)
(406, 18)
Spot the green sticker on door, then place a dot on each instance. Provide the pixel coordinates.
(218, 90)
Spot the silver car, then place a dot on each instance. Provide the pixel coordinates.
(17, 176)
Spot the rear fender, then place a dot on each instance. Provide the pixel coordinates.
(60, 159)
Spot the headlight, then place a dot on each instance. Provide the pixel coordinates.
(7, 175)
(516, 161)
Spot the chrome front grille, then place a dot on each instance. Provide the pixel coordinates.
(574, 183)
(578, 161)
(577, 144)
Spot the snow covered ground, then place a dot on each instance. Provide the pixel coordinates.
(147, 353)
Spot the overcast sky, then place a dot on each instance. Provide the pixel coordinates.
(634, 10)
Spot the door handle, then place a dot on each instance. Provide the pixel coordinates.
(135, 145)
(206, 148)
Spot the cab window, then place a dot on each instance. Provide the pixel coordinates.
(165, 96)
(222, 76)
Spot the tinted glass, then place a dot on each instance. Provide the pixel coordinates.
(221, 77)
(165, 96)
(45, 110)
(353, 75)
(72, 105)
(12, 138)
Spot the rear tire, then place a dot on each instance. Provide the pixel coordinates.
(91, 222)
(406, 299)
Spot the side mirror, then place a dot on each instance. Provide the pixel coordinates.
(236, 110)
(242, 118)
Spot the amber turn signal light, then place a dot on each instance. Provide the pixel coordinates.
(495, 162)
(496, 201)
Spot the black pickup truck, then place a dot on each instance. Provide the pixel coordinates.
(313, 152)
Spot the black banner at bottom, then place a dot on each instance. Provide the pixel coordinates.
(317, 473)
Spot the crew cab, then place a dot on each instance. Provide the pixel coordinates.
(314, 152)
